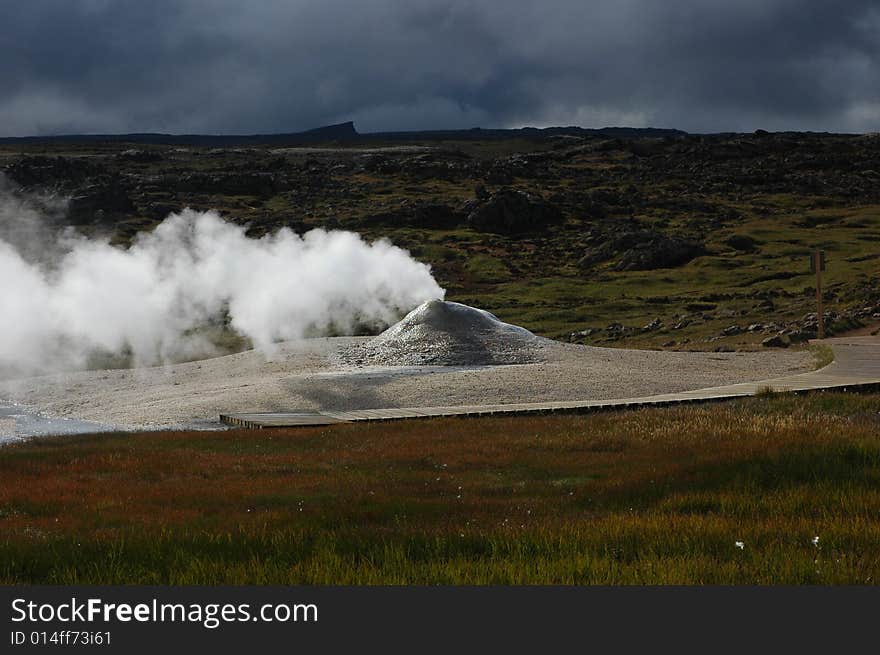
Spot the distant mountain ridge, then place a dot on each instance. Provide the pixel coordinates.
(338, 132)
(346, 132)
(478, 133)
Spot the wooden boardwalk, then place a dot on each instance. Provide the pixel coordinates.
(856, 365)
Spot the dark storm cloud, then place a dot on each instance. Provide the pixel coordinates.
(268, 66)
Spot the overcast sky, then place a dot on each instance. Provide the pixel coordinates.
(229, 66)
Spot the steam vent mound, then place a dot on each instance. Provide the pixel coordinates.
(439, 333)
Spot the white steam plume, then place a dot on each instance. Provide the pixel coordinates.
(195, 267)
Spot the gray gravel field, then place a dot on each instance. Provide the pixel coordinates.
(440, 354)
(309, 375)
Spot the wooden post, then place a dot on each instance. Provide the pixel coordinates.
(817, 265)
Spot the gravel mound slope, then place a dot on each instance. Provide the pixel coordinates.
(440, 333)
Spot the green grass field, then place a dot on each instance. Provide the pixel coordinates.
(779, 489)
(545, 292)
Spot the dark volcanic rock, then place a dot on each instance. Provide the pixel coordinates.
(498, 174)
(435, 215)
(799, 336)
(51, 171)
(449, 166)
(140, 156)
(659, 252)
(523, 165)
(378, 163)
(424, 215)
(641, 250)
(741, 242)
(94, 203)
(776, 341)
(159, 210)
(244, 184)
(510, 211)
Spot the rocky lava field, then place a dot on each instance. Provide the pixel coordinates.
(647, 238)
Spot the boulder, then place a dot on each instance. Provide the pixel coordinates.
(641, 250)
(799, 336)
(741, 242)
(658, 251)
(776, 341)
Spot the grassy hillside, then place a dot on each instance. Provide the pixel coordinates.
(770, 490)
